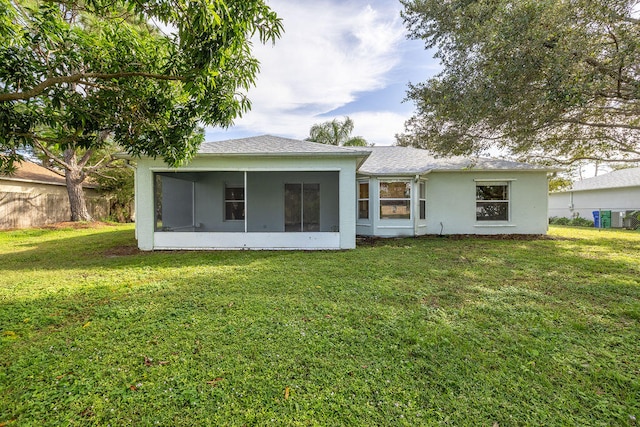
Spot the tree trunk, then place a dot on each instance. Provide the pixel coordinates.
(74, 177)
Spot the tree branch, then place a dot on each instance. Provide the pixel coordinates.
(628, 19)
(75, 78)
(85, 158)
(601, 125)
(93, 169)
(579, 158)
(50, 154)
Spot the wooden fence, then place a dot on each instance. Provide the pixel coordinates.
(41, 206)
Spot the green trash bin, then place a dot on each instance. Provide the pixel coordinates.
(605, 219)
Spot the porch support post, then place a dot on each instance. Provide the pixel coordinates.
(246, 205)
(145, 206)
(193, 206)
(347, 194)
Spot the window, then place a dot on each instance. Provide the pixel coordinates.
(395, 200)
(363, 200)
(302, 207)
(492, 201)
(423, 200)
(234, 203)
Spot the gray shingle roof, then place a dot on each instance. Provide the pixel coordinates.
(616, 179)
(412, 161)
(267, 144)
(27, 171)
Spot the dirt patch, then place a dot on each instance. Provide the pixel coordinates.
(122, 251)
(77, 225)
(367, 240)
(500, 236)
(372, 240)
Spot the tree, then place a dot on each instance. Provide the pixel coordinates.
(79, 75)
(117, 182)
(554, 80)
(336, 132)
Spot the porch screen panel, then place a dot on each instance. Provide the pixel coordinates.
(292, 207)
(311, 207)
(157, 201)
(173, 202)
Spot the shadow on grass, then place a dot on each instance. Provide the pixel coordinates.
(116, 249)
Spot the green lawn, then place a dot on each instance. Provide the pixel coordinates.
(454, 331)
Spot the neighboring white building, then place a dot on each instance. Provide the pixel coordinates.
(617, 191)
(268, 192)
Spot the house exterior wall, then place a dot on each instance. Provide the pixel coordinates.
(569, 204)
(451, 205)
(31, 204)
(343, 181)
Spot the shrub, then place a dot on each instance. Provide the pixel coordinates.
(576, 222)
(554, 220)
(581, 222)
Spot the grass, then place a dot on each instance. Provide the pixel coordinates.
(458, 331)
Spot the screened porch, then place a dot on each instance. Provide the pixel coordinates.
(230, 209)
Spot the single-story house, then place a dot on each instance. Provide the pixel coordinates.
(34, 196)
(268, 192)
(617, 192)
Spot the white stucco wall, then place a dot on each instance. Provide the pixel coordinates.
(344, 239)
(451, 206)
(568, 204)
(451, 203)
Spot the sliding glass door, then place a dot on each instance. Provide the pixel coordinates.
(301, 207)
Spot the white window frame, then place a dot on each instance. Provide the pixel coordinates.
(364, 199)
(226, 201)
(404, 199)
(507, 201)
(422, 199)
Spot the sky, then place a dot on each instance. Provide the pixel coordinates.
(334, 59)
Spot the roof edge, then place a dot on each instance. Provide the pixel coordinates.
(351, 153)
(571, 190)
(35, 181)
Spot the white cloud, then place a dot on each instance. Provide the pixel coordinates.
(329, 52)
(378, 128)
